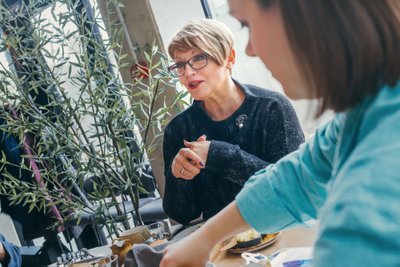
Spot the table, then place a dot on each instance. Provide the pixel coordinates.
(297, 237)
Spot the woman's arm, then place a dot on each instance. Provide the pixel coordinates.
(195, 249)
(280, 134)
(293, 190)
(179, 199)
(361, 222)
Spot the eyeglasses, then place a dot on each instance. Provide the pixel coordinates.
(196, 62)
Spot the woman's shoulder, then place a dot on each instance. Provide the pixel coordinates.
(266, 99)
(264, 94)
(182, 118)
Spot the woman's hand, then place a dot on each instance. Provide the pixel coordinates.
(186, 164)
(200, 147)
(2, 253)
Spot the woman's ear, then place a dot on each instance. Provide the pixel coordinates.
(232, 56)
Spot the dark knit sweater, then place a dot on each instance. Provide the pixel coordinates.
(261, 131)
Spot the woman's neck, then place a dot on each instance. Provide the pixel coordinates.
(224, 102)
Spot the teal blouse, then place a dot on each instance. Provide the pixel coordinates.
(348, 175)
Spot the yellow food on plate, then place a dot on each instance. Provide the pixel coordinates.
(248, 238)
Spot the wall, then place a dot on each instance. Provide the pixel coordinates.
(171, 15)
(167, 17)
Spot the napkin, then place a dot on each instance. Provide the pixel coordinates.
(142, 255)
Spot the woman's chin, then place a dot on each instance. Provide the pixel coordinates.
(196, 96)
(298, 94)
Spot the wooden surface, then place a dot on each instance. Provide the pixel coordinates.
(298, 237)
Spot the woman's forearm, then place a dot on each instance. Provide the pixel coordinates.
(225, 224)
(195, 249)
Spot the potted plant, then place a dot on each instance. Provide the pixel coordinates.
(74, 118)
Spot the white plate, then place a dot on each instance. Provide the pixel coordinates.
(267, 240)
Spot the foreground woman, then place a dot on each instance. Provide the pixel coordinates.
(346, 53)
(229, 132)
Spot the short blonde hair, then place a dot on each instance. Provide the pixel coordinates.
(207, 35)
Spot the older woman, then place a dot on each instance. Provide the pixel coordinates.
(230, 131)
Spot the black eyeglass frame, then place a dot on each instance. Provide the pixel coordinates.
(176, 65)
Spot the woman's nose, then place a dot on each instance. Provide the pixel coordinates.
(249, 50)
(189, 70)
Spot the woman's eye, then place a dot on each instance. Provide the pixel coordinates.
(179, 65)
(199, 57)
(243, 24)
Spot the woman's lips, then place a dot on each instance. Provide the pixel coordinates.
(194, 84)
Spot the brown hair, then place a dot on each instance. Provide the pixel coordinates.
(347, 49)
(206, 35)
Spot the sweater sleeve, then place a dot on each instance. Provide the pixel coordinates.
(281, 134)
(179, 199)
(292, 190)
(360, 225)
(13, 257)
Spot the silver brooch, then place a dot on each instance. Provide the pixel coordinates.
(241, 120)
